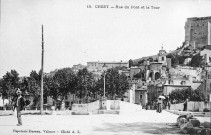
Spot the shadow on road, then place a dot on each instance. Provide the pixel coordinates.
(150, 128)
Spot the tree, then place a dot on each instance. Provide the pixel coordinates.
(181, 59)
(60, 84)
(141, 61)
(196, 61)
(116, 84)
(150, 59)
(174, 59)
(24, 84)
(51, 88)
(10, 83)
(180, 95)
(94, 90)
(1, 85)
(65, 80)
(130, 63)
(34, 86)
(85, 84)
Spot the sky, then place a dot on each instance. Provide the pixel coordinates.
(76, 34)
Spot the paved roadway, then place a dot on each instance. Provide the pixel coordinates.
(143, 122)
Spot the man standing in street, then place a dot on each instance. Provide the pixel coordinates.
(185, 104)
(19, 106)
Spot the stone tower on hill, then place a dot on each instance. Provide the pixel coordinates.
(197, 31)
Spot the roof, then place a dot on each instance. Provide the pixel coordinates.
(199, 18)
(177, 85)
(108, 62)
(155, 63)
(120, 62)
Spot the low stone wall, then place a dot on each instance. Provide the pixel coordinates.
(93, 106)
(197, 106)
(110, 105)
(191, 106)
(80, 108)
(114, 104)
(6, 112)
(178, 107)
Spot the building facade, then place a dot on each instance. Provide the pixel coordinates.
(197, 31)
(98, 66)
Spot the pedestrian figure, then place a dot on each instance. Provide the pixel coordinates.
(19, 104)
(156, 105)
(169, 105)
(159, 105)
(185, 104)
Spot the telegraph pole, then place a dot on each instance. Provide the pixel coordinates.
(42, 63)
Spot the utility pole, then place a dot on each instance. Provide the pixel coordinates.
(42, 62)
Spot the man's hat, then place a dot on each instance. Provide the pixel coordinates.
(18, 91)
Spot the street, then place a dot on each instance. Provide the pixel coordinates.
(143, 122)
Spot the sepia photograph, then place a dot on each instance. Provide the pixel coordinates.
(105, 67)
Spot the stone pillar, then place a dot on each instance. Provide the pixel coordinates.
(153, 75)
(108, 105)
(145, 95)
(104, 104)
(131, 95)
(147, 74)
(63, 105)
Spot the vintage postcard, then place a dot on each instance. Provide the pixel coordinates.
(110, 67)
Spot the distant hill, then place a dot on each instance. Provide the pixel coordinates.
(178, 56)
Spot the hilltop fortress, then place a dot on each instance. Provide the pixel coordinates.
(197, 31)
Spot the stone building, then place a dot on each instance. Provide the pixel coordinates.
(78, 67)
(98, 66)
(172, 85)
(206, 53)
(197, 31)
(152, 75)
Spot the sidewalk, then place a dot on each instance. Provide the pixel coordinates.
(195, 114)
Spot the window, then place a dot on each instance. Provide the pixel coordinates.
(162, 58)
(140, 96)
(183, 82)
(67, 104)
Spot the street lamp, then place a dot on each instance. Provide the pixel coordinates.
(104, 70)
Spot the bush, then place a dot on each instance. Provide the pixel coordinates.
(180, 95)
(206, 110)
